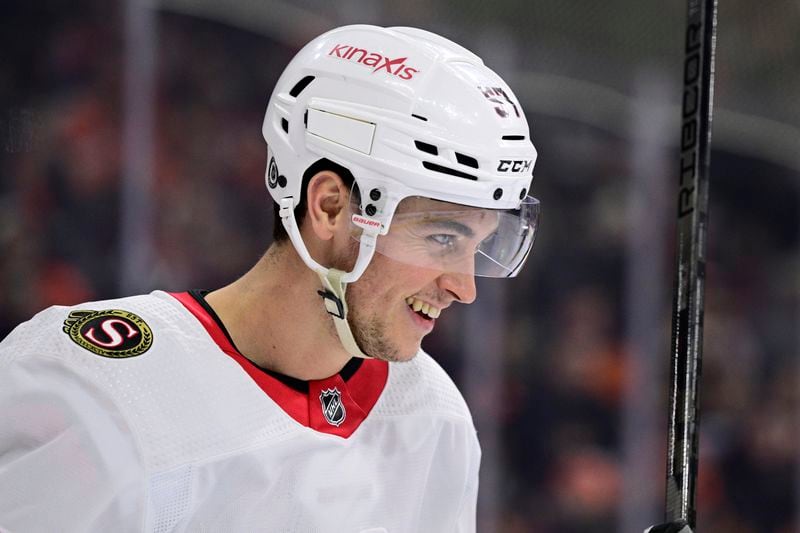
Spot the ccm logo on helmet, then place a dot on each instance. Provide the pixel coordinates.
(515, 165)
(378, 62)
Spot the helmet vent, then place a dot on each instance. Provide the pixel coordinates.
(420, 117)
(467, 160)
(285, 125)
(513, 137)
(427, 148)
(445, 170)
(300, 85)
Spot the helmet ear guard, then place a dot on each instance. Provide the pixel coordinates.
(287, 216)
(409, 114)
(334, 281)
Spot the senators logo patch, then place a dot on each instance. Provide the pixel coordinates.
(111, 333)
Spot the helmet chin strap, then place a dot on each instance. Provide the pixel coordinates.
(333, 298)
(333, 280)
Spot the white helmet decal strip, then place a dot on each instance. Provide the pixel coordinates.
(349, 132)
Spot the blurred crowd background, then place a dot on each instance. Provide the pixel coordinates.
(131, 159)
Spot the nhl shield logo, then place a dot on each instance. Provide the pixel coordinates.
(332, 406)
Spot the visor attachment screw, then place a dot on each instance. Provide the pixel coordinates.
(375, 195)
(370, 210)
(498, 193)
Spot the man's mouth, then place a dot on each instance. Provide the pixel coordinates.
(423, 308)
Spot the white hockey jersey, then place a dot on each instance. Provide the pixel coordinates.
(138, 414)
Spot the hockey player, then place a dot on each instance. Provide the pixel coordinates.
(297, 398)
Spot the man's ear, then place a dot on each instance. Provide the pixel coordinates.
(327, 199)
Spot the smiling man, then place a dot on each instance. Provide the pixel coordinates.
(297, 398)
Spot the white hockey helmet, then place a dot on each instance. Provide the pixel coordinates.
(409, 114)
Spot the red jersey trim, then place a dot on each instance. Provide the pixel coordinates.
(359, 393)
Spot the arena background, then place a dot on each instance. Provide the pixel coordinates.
(131, 160)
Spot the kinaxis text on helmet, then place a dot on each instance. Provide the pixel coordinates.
(395, 67)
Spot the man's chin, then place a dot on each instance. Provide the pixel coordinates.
(375, 341)
(408, 356)
(399, 355)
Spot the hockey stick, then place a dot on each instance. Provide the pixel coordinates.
(687, 306)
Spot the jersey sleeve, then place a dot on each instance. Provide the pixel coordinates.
(68, 461)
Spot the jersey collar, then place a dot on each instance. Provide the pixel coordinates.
(336, 405)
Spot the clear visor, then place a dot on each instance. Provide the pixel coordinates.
(460, 239)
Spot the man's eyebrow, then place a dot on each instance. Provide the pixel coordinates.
(451, 225)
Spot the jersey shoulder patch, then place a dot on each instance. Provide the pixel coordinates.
(113, 333)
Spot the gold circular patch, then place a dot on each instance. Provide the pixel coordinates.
(111, 333)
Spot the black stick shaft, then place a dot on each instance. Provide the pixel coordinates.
(687, 308)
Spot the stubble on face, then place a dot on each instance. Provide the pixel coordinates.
(367, 316)
(370, 334)
(369, 319)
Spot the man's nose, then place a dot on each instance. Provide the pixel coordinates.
(460, 285)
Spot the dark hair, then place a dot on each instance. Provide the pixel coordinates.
(278, 231)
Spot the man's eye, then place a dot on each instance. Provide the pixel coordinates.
(443, 240)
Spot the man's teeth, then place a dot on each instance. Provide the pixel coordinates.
(424, 308)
